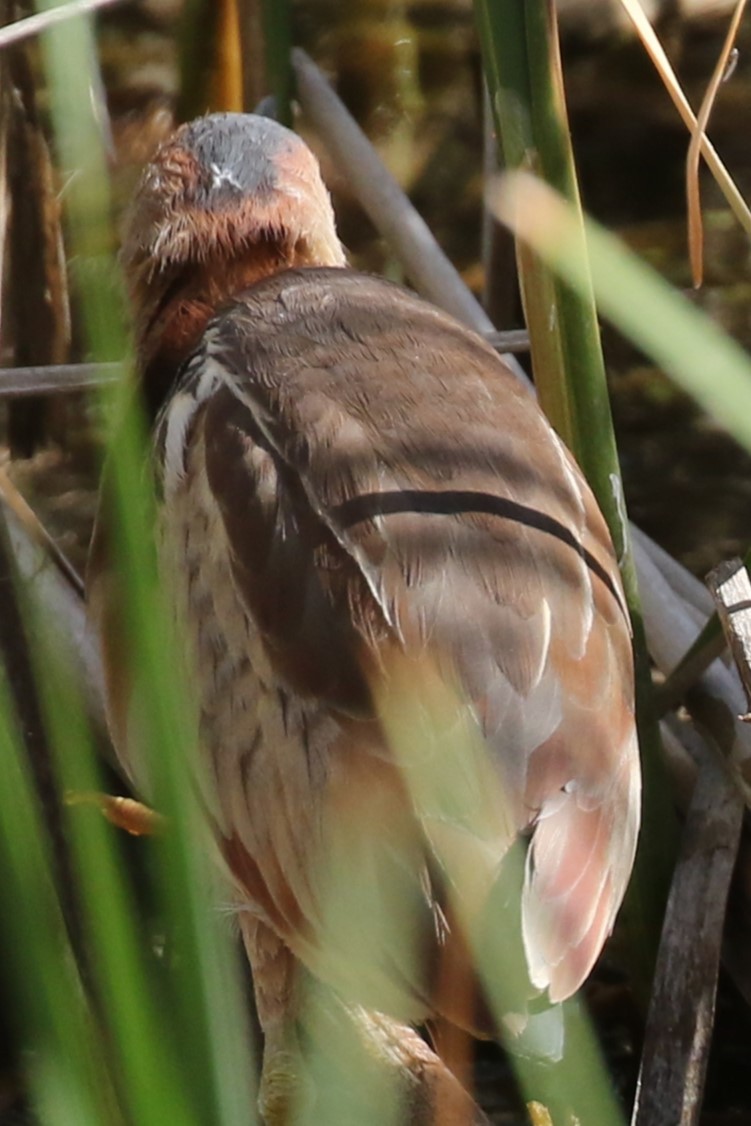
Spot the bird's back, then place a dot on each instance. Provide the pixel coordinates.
(353, 479)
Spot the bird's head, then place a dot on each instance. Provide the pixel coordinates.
(227, 200)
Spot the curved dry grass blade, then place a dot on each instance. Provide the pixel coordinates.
(36, 24)
(693, 198)
(654, 49)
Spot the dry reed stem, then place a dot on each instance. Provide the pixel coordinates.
(698, 135)
(655, 50)
(36, 24)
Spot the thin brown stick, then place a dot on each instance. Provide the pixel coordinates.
(693, 196)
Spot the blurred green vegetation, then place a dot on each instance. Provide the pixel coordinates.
(152, 1023)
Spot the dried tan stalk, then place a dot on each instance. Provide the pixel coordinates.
(655, 50)
(35, 25)
(693, 198)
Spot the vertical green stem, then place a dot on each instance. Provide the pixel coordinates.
(523, 70)
(277, 34)
(204, 1017)
(196, 43)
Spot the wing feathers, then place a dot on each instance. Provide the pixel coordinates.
(380, 474)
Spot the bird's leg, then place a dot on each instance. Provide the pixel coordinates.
(430, 1094)
(275, 980)
(388, 1054)
(382, 1062)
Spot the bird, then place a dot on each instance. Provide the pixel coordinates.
(358, 500)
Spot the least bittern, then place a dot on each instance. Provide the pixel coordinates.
(351, 484)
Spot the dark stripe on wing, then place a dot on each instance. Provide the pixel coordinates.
(457, 502)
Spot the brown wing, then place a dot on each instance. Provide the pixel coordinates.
(383, 477)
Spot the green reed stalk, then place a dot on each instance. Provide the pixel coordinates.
(199, 1059)
(68, 1076)
(277, 35)
(196, 43)
(523, 70)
